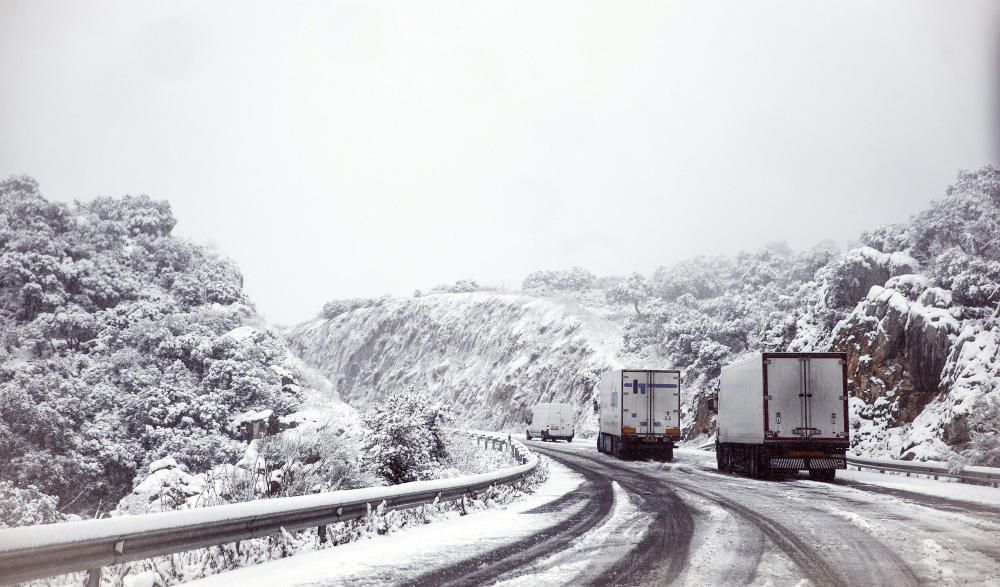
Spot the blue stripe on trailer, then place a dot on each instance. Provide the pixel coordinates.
(642, 386)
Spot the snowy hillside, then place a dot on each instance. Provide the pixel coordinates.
(913, 307)
(489, 355)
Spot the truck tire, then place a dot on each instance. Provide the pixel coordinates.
(719, 464)
(825, 475)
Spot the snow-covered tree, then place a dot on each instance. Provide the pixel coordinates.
(404, 437)
(634, 290)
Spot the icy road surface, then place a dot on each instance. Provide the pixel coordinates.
(601, 521)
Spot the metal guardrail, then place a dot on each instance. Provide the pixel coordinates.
(986, 475)
(970, 473)
(37, 552)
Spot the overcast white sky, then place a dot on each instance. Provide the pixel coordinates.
(359, 148)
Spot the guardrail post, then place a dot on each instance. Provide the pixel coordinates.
(321, 530)
(93, 577)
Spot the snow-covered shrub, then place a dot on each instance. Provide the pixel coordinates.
(468, 456)
(461, 286)
(984, 429)
(968, 217)
(973, 281)
(849, 278)
(404, 437)
(335, 308)
(297, 464)
(559, 280)
(888, 237)
(701, 277)
(26, 506)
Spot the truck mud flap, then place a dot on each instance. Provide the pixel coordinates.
(810, 463)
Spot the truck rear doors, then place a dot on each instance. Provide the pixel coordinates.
(651, 402)
(560, 418)
(805, 396)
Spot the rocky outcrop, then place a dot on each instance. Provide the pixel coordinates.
(898, 342)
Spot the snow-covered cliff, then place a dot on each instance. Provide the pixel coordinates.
(489, 355)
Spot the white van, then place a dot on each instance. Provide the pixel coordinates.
(551, 421)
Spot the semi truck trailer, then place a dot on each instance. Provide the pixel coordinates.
(640, 413)
(784, 412)
(551, 421)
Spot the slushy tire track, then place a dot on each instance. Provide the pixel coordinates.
(662, 554)
(813, 563)
(598, 499)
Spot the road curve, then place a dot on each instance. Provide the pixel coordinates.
(749, 531)
(660, 554)
(696, 526)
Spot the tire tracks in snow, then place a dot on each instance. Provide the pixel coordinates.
(662, 554)
(832, 563)
(594, 499)
(773, 511)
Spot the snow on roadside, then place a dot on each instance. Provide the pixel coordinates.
(943, 488)
(407, 554)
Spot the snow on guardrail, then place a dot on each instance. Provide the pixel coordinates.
(989, 475)
(935, 469)
(36, 552)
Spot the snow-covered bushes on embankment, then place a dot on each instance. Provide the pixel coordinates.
(121, 344)
(170, 487)
(187, 566)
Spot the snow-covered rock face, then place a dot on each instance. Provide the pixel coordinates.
(897, 349)
(489, 356)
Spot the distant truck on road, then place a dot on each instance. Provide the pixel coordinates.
(640, 413)
(784, 412)
(551, 421)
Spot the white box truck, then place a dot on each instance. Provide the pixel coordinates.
(640, 413)
(784, 412)
(552, 421)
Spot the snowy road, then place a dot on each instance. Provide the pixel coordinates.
(601, 521)
(716, 529)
